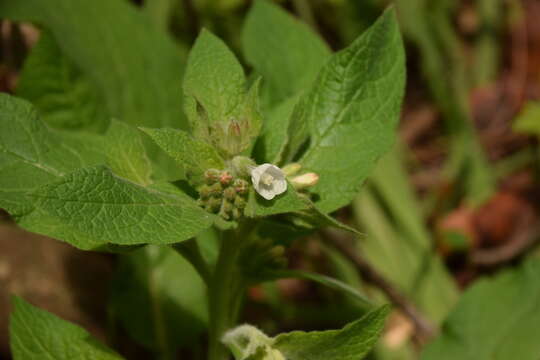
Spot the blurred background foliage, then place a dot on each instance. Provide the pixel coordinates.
(450, 214)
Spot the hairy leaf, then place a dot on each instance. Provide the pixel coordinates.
(136, 67)
(220, 111)
(194, 156)
(352, 111)
(289, 201)
(64, 96)
(496, 318)
(95, 202)
(353, 342)
(126, 155)
(39, 335)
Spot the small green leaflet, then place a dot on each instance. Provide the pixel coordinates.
(352, 342)
(194, 156)
(496, 318)
(126, 155)
(39, 335)
(95, 202)
(352, 111)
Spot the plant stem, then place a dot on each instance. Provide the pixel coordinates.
(189, 249)
(225, 292)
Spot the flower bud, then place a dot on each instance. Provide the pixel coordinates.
(305, 180)
(291, 169)
(240, 202)
(225, 178)
(213, 205)
(229, 193)
(211, 176)
(205, 191)
(242, 166)
(241, 186)
(215, 190)
(237, 213)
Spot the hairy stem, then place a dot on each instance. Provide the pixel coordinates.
(225, 291)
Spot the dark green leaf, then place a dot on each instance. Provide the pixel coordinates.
(95, 202)
(352, 111)
(63, 95)
(286, 52)
(39, 335)
(126, 155)
(497, 318)
(192, 155)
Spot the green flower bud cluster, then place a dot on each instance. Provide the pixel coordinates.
(223, 194)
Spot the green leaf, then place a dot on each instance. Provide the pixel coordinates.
(528, 120)
(286, 52)
(126, 155)
(95, 202)
(159, 298)
(217, 106)
(496, 318)
(63, 95)
(214, 78)
(137, 68)
(353, 342)
(274, 134)
(327, 281)
(194, 156)
(289, 201)
(352, 111)
(39, 335)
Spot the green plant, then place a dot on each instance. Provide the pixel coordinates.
(273, 148)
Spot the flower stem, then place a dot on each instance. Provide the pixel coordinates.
(226, 291)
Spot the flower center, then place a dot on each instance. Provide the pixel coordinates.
(267, 179)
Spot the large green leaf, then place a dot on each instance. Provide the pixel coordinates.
(63, 95)
(159, 298)
(192, 155)
(497, 318)
(126, 155)
(39, 335)
(352, 111)
(286, 52)
(137, 68)
(97, 203)
(353, 342)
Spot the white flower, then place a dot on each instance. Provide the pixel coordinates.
(268, 180)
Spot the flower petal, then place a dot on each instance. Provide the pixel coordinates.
(280, 186)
